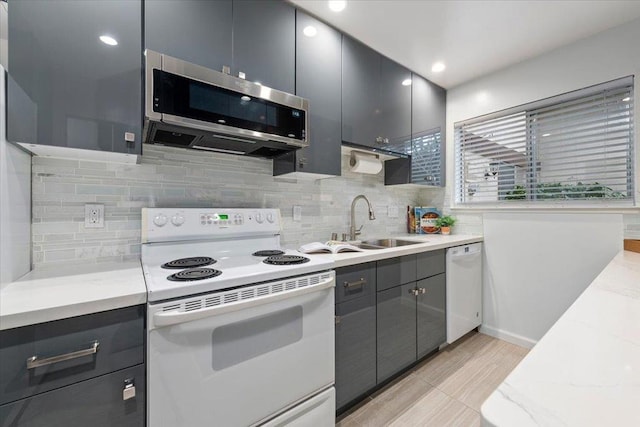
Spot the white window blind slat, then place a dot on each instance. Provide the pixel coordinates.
(576, 146)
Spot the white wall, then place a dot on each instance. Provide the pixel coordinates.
(514, 311)
(15, 203)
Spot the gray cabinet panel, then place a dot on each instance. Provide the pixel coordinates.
(431, 321)
(395, 102)
(430, 263)
(427, 106)
(193, 30)
(264, 42)
(396, 330)
(396, 271)
(355, 281)
(120, 334)
(355, 349)
(67, 88)
(95, 402)
(318, 78)
(361, 93)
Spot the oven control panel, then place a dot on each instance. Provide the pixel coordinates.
(170, 224)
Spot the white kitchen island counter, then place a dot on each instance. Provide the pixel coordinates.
(585, 371)
(428, 242)
(50, 293)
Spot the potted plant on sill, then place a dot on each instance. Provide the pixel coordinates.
(445, 223)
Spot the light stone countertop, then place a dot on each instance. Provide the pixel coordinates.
(585, 371)
(54, 293)
(48, 294)
(428, 242)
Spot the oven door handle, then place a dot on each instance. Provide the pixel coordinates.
(174, 317)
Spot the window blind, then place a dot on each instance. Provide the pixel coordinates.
(572, 147)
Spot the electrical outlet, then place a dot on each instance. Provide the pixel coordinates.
(93, 216)
(297, 213)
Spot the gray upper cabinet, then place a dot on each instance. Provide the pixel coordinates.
(66, 87)
(264, 41)
(318, 79)
(428, 124)
(192, 30)
(426, 145)
(376, 106)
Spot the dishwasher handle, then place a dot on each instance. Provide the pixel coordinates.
(465, 251)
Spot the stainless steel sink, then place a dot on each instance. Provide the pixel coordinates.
(385, 243)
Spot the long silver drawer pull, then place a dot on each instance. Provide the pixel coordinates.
(360, 282)
(34, 362)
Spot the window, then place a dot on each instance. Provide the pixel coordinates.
(569, 148)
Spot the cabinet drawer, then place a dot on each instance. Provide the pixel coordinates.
(430, 263)
(396, 271)
(95, 402)
(355, 281)
(119, 334)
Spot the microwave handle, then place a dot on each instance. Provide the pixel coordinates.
(172, 317)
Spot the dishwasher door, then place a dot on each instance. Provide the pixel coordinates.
(464, 290)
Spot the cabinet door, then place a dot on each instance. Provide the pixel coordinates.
(427, 132)
(355, 348)
(66, 88)
(264, 42)
(361, 93)
(192, 30)
(320, 55)
(396, 330)
(394, 103)
(431, 322)
(96, 402)
(395, 271)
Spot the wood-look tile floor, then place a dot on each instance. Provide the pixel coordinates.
(446, 389)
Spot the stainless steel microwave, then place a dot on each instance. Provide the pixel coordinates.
(190, 106)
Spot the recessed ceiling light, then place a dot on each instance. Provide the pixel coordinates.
(627, 99)
(406, 82)
(438, 67)
(310, 31)
(108, 40)
(337, 5)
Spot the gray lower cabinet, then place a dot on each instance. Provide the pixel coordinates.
(318, 78)
(66, 87)
(96, 402)
(431, 326)
(355, 332)
(396, 324)
(75, 370)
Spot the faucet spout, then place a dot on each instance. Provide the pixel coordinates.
(353, 231)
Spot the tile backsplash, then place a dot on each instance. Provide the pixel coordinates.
(171, 177)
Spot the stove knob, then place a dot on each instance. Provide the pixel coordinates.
(160, 220)
(270, 217)
(177, 220)
(259, 218)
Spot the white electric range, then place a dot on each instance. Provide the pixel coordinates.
(240, 331)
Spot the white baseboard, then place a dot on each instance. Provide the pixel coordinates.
(508, 336)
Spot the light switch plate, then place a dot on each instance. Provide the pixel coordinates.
(297, 213)
(392, 211)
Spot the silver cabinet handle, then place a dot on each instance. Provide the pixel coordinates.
(338, 319)
(423, 290)
(34, 362)
(360, 282)
(414, 292)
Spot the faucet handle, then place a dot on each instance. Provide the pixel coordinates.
(344, 237)
(334, 236)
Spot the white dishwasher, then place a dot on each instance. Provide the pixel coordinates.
(464, 290)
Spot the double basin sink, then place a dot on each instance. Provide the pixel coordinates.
(384, 243)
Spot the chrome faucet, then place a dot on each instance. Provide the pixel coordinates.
(353, 231)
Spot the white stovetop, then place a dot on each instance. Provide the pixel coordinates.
(56, 293)
(585, 371)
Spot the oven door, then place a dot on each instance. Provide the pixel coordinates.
(241, 357)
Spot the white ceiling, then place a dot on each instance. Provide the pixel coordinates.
(473, 38)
